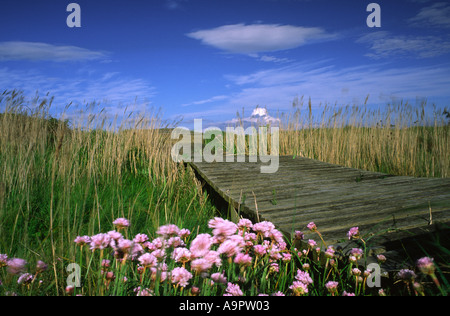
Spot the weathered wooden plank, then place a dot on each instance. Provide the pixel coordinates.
(335, 197)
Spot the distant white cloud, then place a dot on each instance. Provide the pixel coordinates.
(436, 15)
(257, 38)
(384, 45)
(173, 4)
(36, 51)
(260, 117)
(210, 100)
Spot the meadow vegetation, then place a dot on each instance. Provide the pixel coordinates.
(107, 196)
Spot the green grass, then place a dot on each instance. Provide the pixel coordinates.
(60, 179)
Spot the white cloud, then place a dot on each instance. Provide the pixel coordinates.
(256, 38)
(276, 88)
(260, 117)
(384, 45)
(210, 100)
(42, 51)
(437, 15)
(113, 94)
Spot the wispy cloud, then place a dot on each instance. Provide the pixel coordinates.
(109, 90)
(436, 15)
(36, 51)
(258, 38)
(385, 45)
(210, 100)
(277, 87)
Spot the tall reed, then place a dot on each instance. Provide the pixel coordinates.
(398, 139)
(61, 178)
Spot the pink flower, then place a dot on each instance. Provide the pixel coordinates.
(263, 228)
(229, 248)
(148, 260)
(233, 290)
(222, 228)
(213, 257)
(184, 233)
(181, 276)
(312, 227)
(303, 277)
(357, 253)
(201, 265)
(406, 275)
(140, 238)
(181, 254)
(175, 242)
(200, 245)
(3, 260)
(81, 241)
(311, 243)
(298, 235)
(245, 224)
(16, 265)
(329, 253)
(243, 259)
(353, 233)
(299, 288)
(121, 223)
(332, 286)
(100, 241)
(219, 277)
(168, 231)
(41, 266)
(25, 278)
(426, 265)
(260, 250)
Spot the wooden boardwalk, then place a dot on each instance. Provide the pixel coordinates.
(336, 198)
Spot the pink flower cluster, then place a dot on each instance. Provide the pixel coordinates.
(239, 243)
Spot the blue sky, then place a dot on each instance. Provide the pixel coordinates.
(211, 58)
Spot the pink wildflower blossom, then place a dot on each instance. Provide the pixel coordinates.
(222, 228)
(140, 238)
(181, 276)
(3, 260)
(426, 265)
(16, 266)
(25, 278)
(229, 248)
(184, 233)
(200, 245)
(233, 290)
(298, 235)
(263, 228)
(332, 286)
(41, 266)
(312, 227)
(299, 288)
(353, 233)
(82, 240)
(303, 277)
(406, 275)
(245, 224)
(219, 277)
(243, 259)
(148, 260)
(181, 254)
(100, 241)
(201, 265)
(121, 223)
(168, 231)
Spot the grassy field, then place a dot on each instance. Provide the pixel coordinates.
(61, 179)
